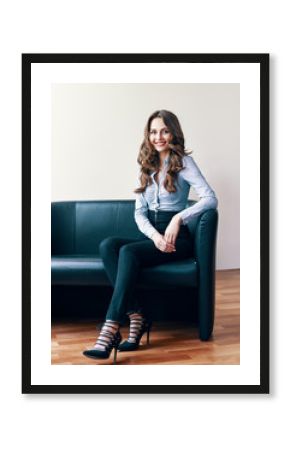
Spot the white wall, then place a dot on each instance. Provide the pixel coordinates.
(97, 130)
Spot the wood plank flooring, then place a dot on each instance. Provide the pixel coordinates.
(170, 342)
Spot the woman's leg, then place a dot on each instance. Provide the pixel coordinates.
(123, 268)
(109, 251)
(133, 257)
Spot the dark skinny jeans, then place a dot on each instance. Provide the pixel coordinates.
(124, 259)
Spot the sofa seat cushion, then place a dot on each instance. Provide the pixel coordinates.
(78, 270)
(89, 270)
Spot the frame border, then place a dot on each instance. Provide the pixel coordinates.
(263, 60)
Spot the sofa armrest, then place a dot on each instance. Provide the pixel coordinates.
(205, 251)
(63, 228)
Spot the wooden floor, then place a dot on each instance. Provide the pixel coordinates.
(170, 343)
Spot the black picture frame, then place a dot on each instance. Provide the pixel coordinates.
(263, 61)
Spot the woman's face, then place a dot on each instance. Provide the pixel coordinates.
(159, 135)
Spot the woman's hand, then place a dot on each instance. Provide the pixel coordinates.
(172, 229)
(161, 243)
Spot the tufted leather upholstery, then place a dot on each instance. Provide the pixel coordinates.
(77, 228)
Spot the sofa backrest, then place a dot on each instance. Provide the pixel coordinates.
(78, 227)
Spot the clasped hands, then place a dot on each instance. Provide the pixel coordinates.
(166, 243)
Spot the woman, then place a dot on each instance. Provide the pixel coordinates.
(166, 174)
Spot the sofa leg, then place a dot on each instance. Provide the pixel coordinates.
(205, 333)
(204, 338)
(206, 315)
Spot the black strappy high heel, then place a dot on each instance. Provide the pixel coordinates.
(128, 346)
(105, 354)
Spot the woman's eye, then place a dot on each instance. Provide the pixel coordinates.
(154, 132)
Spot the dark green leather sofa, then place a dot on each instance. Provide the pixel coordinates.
(78, 227)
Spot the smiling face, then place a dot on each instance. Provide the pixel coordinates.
(159, 135)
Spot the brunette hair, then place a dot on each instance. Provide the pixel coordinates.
(148, 157)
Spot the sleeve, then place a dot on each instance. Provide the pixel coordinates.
(141, 215)
(207, 198)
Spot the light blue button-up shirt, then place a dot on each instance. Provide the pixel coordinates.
(157, 198)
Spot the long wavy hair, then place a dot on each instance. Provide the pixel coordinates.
(148, 156)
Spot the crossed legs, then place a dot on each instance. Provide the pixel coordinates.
(123, 260)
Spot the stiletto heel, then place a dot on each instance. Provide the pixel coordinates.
(148, 332)
(115, 355)
(114, 343)
(127, 346)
